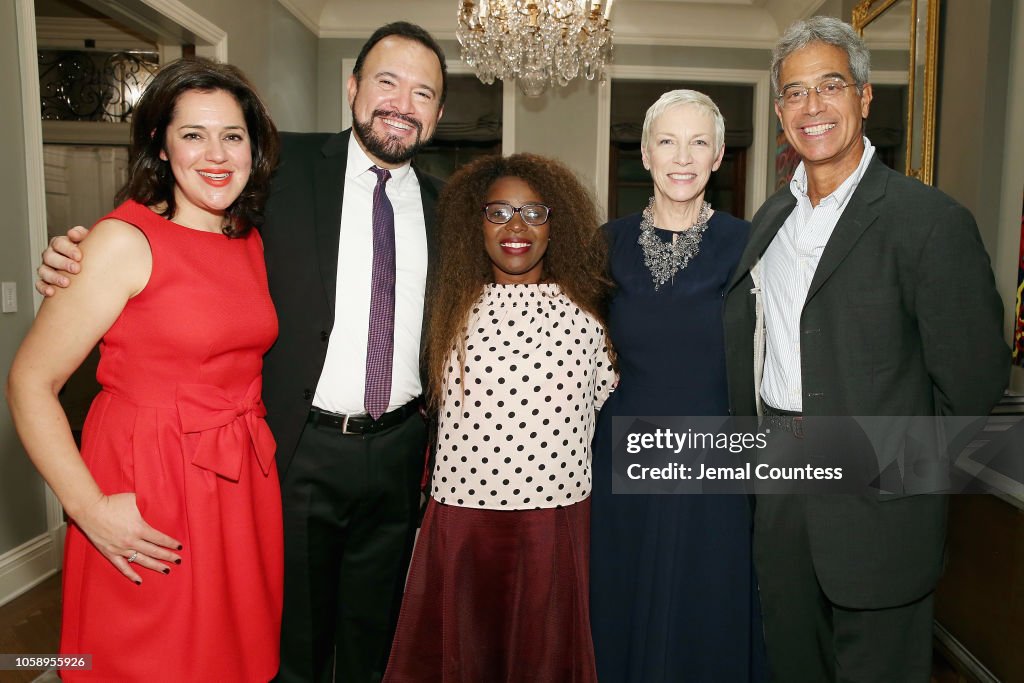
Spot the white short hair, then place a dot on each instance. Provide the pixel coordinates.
(676, 98)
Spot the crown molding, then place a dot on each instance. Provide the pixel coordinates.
(299, 12)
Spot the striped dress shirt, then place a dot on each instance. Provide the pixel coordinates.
(788, 266)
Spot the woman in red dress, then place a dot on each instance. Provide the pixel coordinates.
(173, 559)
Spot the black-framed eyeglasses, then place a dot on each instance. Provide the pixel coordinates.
(795, 95)
(500, 213)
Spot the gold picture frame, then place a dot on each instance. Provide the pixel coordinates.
(922, 77)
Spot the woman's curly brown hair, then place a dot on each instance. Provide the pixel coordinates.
(576, 257)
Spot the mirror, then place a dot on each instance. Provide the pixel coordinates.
(911, 26)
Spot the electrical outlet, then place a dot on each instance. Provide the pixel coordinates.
(10, 297)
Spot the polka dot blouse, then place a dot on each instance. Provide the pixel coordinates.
(516, 424)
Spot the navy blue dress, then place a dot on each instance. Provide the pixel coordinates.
(673, 593)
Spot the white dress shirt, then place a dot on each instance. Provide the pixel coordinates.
(788, 266)
(340, 389)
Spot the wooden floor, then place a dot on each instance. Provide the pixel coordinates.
(30, 624)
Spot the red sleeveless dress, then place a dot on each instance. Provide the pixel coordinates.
(179, 422)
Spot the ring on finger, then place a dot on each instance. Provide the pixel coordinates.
(133, 556)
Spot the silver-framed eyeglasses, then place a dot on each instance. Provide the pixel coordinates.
(794, 95)
(500, 213)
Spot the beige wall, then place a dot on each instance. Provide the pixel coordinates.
(562, 123)
(275, 50)
(972, 109)
(22, 497)
(249, 36)
(291, 90)
(978, 144)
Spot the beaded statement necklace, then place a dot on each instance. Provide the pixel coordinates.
(665, 259)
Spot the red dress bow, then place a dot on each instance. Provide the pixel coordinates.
(228, 429)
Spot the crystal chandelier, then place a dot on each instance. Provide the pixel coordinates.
(535, 41)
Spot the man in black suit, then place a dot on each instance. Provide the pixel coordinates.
(865, 293)
(350, 478)
(350, 483)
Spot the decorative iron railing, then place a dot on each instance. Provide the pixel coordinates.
(93, 86)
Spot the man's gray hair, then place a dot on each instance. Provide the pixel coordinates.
(830, 31)
(676, 98)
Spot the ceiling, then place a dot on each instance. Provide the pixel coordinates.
(698, 23)
(720, 23)
(66, 9)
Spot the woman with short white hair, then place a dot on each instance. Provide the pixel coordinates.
(673, 596)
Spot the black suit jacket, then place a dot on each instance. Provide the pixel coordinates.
(902, 319)
(300, 238)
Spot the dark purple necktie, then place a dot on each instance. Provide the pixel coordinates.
(380, 344)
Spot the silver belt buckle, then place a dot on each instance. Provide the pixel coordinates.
(344, 427)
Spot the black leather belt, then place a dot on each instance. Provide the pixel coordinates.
(786, 420)
(357, 425)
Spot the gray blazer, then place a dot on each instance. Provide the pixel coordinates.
(902, 319)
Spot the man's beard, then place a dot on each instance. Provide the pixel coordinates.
(388, 148)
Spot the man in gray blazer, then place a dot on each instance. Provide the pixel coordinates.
(865, 293)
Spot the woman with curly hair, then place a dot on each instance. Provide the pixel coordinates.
(518, 364)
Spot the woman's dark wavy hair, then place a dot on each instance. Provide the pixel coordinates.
(576, 258)
(150, 180)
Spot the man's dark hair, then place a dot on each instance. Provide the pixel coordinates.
(403, 29)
